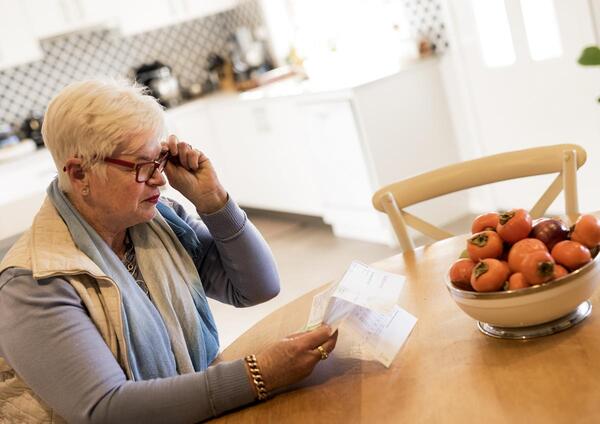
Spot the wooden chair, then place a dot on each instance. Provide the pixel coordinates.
(562, 158)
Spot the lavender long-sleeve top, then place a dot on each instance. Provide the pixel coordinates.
(48, 338)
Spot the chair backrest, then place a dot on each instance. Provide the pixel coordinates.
(562, 158)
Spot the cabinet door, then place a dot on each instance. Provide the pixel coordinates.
(191, 123)
(93, 12)
(17, 44)
(291, 159)
(267, 157)
(20, 202)
(241, 131)
(342, 164)
(49, 18)
(136, 16)
(339, 155)
(198, 8)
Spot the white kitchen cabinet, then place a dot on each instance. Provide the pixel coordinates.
(341, 162)
(17, 44)
(335, 141)
(20, 202)
(243, 134)
(136, 16)
(198, 8)
(268, 162)
(50, 18)
(191, 124)
(407, 127)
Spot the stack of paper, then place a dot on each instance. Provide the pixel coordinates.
(364, 304)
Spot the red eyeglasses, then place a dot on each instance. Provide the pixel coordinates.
(143, 170)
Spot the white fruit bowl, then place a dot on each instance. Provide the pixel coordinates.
(532, 306)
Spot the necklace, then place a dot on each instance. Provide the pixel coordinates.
(130, 263)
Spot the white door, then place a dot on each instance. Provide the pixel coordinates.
(516, 61)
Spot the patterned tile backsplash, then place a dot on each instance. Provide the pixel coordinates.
(185, 47)
(427, 21)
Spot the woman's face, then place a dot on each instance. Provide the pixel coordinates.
(120, 201)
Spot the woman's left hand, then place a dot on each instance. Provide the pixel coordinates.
(193, 175)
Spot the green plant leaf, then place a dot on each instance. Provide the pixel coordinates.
(590, 56)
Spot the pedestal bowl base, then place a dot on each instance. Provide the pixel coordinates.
(533, 331)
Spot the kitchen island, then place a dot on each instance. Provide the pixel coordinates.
(302, 147)
(323, 148)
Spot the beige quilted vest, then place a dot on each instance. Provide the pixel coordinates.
(48, 250)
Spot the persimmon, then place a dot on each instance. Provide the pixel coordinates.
(517, 281)
(514, 225)
(505, 264)
(460, 273)
(559, 271)
(485, 221)
(537, 267)
(485, 244)
(521, 249)
(488, 275)
(587, 231)
(571, 254)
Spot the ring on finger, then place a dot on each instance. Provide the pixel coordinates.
(323, 352)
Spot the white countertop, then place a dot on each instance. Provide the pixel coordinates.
(339, 84)
(25, 175)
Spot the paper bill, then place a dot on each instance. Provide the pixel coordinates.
(328, 310)
(318, 308)
(370, 288)
(364, 302)
(382, 335)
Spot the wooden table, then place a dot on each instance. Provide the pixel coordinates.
(447, 372)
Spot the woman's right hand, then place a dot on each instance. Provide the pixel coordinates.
(293, 358)
(194, 176)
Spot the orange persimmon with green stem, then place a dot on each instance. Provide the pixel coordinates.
(514, 225)
(485, 244)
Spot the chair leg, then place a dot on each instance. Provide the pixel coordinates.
(393, 212)
(570, 184)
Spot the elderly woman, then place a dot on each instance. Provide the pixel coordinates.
(103, 310)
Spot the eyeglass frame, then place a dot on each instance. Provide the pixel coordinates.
(158, 164)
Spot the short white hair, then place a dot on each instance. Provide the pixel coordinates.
(92, 119)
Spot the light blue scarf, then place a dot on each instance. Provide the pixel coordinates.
(174, 333)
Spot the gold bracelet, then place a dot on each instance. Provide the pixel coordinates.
(257, 378)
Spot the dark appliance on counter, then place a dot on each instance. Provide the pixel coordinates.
(160, 81)
(32, 128)
(214, 66)
(248, 54)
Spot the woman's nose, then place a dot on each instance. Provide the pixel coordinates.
(158, 179)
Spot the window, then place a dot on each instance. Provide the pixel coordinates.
(338, 37)
(494, 28)
(494, 32)
(541, 27)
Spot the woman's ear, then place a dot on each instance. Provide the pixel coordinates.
(77, 175)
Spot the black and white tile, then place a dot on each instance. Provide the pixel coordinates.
(426, 19)
(185, 47)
